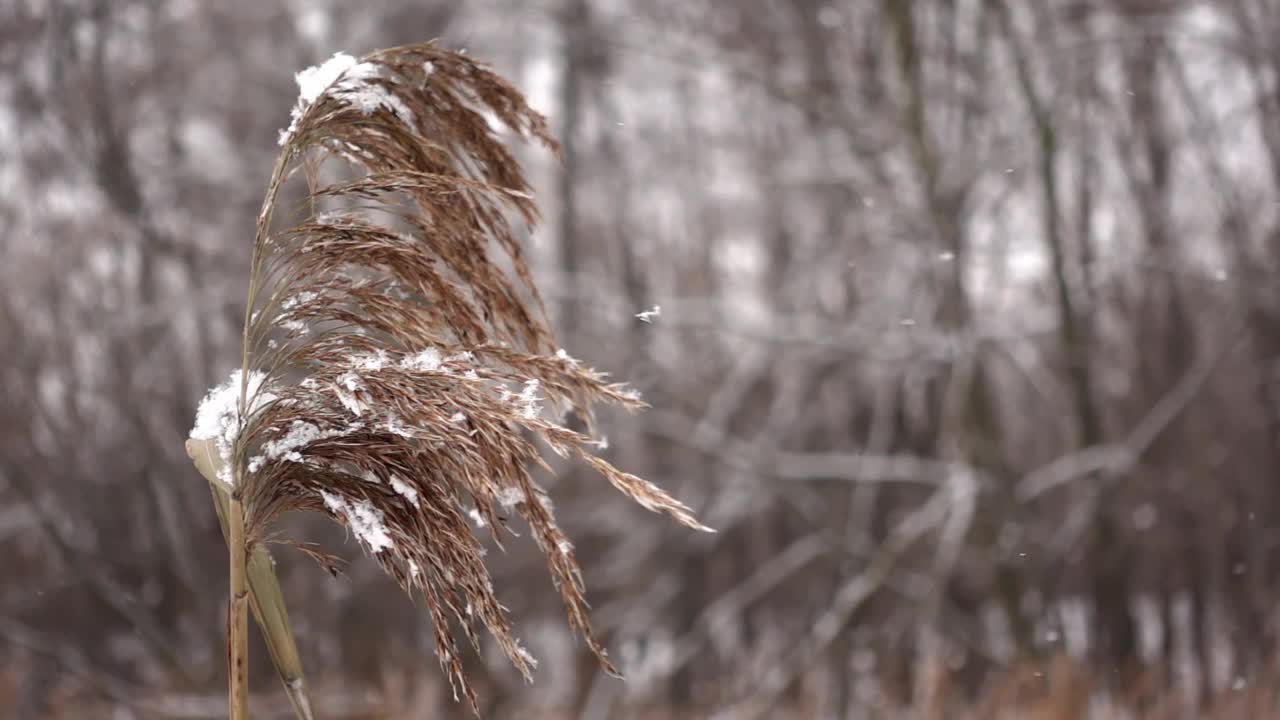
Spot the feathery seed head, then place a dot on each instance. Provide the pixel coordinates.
(397, 354)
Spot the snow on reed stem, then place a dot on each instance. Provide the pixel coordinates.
(399, 374)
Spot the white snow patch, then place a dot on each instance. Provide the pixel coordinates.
(370, 362)
(345, 79)
(312, 83)
(301, 434)
(509, 497)
(524, 654)
(349, 384)
(529, 399)
(365, 520)
(218, 419)
(406, 490)
(396, 426)
(359, 89)
(300, 299)
(426, 361)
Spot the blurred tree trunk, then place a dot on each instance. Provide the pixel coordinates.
(966, 427)
(574, 19)
(1255, 267)
(1115, 630)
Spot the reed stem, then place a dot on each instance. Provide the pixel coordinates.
(238, 616)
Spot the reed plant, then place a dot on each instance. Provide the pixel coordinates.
(399, 373)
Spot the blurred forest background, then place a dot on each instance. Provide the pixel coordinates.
(968, 344)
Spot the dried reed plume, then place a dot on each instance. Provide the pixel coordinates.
(396, 352)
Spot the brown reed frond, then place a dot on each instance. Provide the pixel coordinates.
(397, 354)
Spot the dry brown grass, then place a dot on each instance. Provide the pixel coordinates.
(397, 354)
(1058, 689)
(1063, 688)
